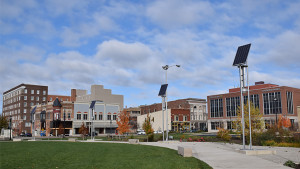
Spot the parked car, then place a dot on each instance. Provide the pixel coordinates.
(157, 132)
(141, 132)
(22, 134)
(28, 135)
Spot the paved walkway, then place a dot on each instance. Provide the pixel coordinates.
(222, 156)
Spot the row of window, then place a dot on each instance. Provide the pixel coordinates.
(100, 117)
(33, 91)
(271, 104)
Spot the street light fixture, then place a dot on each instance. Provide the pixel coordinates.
(275, 100)
(166, 67)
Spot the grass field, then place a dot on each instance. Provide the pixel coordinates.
(76, 155)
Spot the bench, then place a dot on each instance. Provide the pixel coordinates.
(185, 152)
(133, 141)
(72, 139)
(17, 139)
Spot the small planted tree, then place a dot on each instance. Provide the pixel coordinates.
(83, 130)
(3, 122)
(256, 120)
(147, 126)
(123, 122)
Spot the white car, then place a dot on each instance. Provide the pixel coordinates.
(158, 132)
(141, 132)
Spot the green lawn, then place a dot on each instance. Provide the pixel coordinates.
(75, 155)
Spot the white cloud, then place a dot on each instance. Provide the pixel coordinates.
(176, 13)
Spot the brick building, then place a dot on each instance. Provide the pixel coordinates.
(133, 112)
(196, 107)
(17, 102)
(272, 101)
(54, 118)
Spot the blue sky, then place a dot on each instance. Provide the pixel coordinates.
(124, 44)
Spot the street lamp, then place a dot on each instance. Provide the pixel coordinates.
(10, 127)
(64, 122)
(166, 67)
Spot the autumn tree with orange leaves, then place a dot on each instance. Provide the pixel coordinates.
(123, 122)
(283, 122)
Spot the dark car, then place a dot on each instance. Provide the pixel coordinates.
(28, 135)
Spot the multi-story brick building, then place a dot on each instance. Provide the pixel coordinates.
(272, 101)
(17, 102)
(54, 118)
(196, 107)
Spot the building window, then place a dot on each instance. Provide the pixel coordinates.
(185, 118)
(44, 92)
(44, 98)
(25, 97)
(24, 117)
(51, 99)
(69, 115)
(216, 108)
(95, 117)
(85, 117)
(37, 99)
(38, 92)
(216, 125)
(176, 118)
(108, 117)
(289, 99)
(100, 116)
(254, 99)
(232, 104)
(27, 124)
(78, 116)
(25, 110)
(32, 91)
(25, 91)
(272, 103)
(31, 104)
(32, 97)
(229, 125)
(61, 99)
(25, 104)
(114, 117)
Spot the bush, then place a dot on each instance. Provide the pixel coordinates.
(291, 164)
(151, 137)
(224, 134)
(269, 143)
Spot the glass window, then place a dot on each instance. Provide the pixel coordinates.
(216, 125)
(85, 116)
(108, 117)
(289, 99)
(232, 104)
(78, 116)
(25, 110)
(114, 117)
(32, 97)
(25, 90)
(50, 98)
(32, 91)
(272, 103)
(95, 117)
(24, 117)
(38, 92)
(25, 104)
(100, 117)
(44, 98)
(44, 92)
(25, 97)
(69, 115)
(31, 104)
(37, 98)
(216, 107)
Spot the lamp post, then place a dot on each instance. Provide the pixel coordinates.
(166, 67)
(64, 122)
(9, 127)
(110, 126)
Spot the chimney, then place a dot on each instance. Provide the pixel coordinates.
(259, 83)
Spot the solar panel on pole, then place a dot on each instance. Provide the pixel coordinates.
(163, 89)
(241, 55)
(92, 104)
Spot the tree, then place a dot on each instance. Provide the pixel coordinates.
(123, 122)
(3, 122)
(83, 130)
(283, 122)
(256, 119)
(147, 126)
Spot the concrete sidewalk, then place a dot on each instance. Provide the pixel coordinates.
(221, 155)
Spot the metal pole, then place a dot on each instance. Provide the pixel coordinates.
(249, 111)
(242, 103)
(64, 122)
(10, 128)
(167, 106)
(163, 128)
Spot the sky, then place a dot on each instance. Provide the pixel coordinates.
(123, 45)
